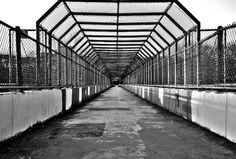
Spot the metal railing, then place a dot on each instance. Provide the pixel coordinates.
(208, 63)
(54, 65)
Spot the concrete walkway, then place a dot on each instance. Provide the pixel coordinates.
(118, 125)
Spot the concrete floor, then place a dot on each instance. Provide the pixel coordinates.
(118, 125)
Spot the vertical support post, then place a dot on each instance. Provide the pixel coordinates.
(50, 60)
(10, 56)
(162, 67)
(220, 56)
(144, 73)
(153, 70)
(37, 54)
(176, 62)
(18, 55)
(198, 55)
(94, 76)
(185, 58)
(146, 70)
(76, 70)
(158, 69)
(71, 66)
(46, 61)
(144, 77)
(169, 65)
(85, 74)
(79, 72)
(59, 63)
(225, 52)
(66, 71)
(148, 73)
(191, 53)
(140, 76)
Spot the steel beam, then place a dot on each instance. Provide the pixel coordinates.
(115, 14)
(67, 31)
(168, 32)
(59, 23)
(73, 37)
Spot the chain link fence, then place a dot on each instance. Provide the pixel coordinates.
(53, 65)
(8, 59)
(28, 60)
(210, 62)
(230, 55)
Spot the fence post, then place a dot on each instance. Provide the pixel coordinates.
(158, 69)
(185, 58)
(76, 70)
(46, 59)
(50, 60)
(37, 54)
(198, 60)
(162, 67)
(10, 56)
(153, 70)
(225, 54)
(59, 64)
(18, 55)
(168, 81)
(220, 56)
(176, 62)
(71, 67)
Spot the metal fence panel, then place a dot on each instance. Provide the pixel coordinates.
(8, 65)
(230, 56)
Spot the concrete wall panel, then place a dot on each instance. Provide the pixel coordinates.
(80, 95)
(212, 110)
(32, 107)
(231, 117)
(75, 96)
(198, 108)
(83, 93)
(88, 91)
(5, 116)
(183, 103)
(23, 105)
(142, 92)
(166, 98)
(68, 98)
(215, 104)
(92, 90)
(173, 103)
(149, 94)
(161, 97)
(153, 95)
(19, 111)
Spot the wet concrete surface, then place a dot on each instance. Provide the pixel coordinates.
(118, 125)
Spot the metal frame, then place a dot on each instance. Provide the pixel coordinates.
(97, 46)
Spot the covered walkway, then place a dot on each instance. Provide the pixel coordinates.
(118, 125)
(154, 48)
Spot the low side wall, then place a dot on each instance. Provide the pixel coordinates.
(210, 109)
(20, 111)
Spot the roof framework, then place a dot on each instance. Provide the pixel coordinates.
(118, 34)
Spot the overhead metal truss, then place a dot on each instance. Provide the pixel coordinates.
(118, 35)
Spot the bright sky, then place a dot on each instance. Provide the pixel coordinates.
(211, 13)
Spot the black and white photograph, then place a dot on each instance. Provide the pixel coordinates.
(118, 79)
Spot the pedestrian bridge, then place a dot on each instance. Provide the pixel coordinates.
(58, 98)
